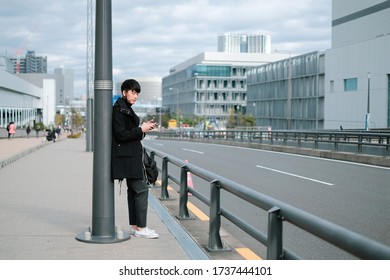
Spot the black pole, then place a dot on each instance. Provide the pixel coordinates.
(103, 208)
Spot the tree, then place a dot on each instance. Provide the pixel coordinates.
(59, 119)
(77, 119)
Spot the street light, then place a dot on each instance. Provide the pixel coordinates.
(177, 105)
(159, 113)
(367, 121)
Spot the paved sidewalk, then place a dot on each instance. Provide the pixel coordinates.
(46, 201)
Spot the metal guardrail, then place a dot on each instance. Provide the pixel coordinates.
(367, 142)
(278, 212)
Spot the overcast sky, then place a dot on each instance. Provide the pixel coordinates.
(151, 36)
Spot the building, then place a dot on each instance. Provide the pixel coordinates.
(6, 64)
(64, 85)
(348, 87)
(288, 94)
(30, 63)
(357, 80)
(211, 85)
(21, 101)
(244, 43)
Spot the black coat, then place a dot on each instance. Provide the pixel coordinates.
(126, 152)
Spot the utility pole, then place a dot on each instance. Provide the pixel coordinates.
(103, 207)
(89, 78)
(367, 120)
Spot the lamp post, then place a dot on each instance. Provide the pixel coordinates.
(159, 113)
(367, 120)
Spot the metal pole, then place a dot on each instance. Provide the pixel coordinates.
(367, 121)
(89, 74)
(215, 242)
(103, 219)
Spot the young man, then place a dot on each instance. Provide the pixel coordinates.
(126, 154)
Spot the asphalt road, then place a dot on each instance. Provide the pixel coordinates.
(354, 196)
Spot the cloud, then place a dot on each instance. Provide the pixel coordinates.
(150, 37)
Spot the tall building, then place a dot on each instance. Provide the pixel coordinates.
(64, 86)
(244, 43)
(30, 63)
(357, 80)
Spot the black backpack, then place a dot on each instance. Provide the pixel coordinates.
(151, 170)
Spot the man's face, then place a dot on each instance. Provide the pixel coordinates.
(131, 96)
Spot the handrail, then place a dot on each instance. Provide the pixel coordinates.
(278, 212)
(361, 142)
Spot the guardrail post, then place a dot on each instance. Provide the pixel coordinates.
(275, 235)
(215, 242)
(360, 144)
(183, 210)
(164, 179)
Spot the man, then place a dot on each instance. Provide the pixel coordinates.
(126, 155)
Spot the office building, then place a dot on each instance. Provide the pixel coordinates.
(30, 63)
(244, 43)
(347, 86)
(357, 80)
(212, 85)
(288, 94)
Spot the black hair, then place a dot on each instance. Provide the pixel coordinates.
(130, 84)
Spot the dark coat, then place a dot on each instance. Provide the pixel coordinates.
(126, 152)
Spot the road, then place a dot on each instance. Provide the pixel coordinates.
(354, 196)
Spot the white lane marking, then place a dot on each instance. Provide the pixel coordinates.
(192, 151)
(295, 175)
(305, 156)
(158, 144)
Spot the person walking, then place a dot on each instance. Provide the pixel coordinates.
(28, 130)
(12, 130)
(126, 153)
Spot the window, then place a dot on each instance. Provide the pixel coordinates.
(331, 86)
(350, 84)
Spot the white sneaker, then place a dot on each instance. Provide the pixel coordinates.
(146, 233)
(133, 230)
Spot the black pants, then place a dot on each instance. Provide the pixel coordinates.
(137, 200)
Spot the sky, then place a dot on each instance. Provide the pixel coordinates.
(149, 37)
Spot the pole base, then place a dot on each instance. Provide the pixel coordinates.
(102, 240)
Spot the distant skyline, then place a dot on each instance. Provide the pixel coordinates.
(150, 37)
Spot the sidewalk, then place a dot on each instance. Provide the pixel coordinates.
(46, 201)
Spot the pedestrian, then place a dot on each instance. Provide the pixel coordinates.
(58, 131)
(126, 162)
(28, 130)
(37, 129)
(12, 130)
(9, 135)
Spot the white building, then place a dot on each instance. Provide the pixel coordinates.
(244, 43)
(25, 103)
(358, 65)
